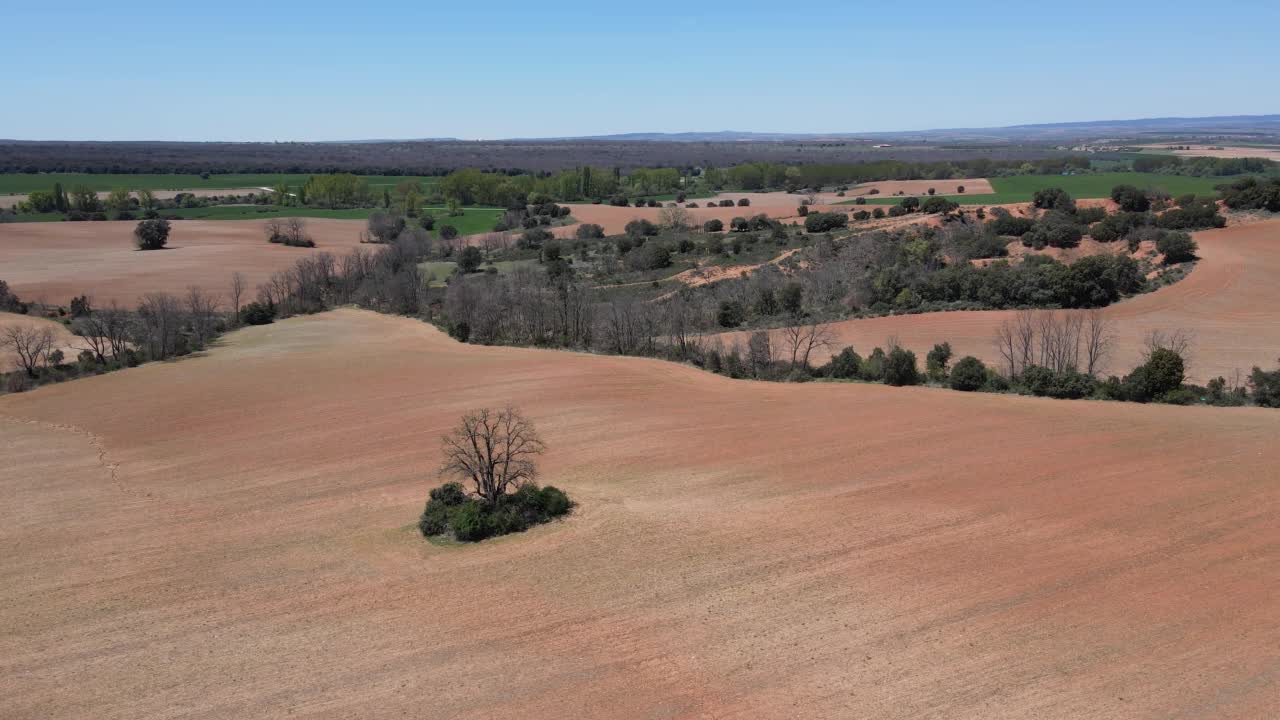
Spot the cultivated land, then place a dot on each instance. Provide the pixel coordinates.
(1270, 152)
(1021, 188)
(53, 262)
(232, 536)
(1227, 303)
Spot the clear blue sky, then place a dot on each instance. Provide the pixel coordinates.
(327, 71)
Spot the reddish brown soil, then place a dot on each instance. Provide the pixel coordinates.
(53, 262)
(230, 536)
(1223, 151)
(1227, 304)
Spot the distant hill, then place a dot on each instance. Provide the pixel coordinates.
(1233, 125)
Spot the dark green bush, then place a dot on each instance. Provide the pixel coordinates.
(1177, 247)
(846, 365)
(450, 511)
(825, 222)
(968, 375)
(1045, 382)
(1130, 198)
(900, 368)
(256, 313)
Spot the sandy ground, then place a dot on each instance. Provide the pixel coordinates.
(230, 536)
(1227, 303)
(53, 262)
(1220, 151)
(11, 200)
(69, 344)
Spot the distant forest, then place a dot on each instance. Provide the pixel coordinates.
(441, 158)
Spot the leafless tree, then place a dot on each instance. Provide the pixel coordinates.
(1006, 344)
(801, 339)
(1025, 336)
(759, 354)
(492, 450)
(674, 218)
(159, 325)
(202, 312)
(31, 344)
(238, 284)
(1098, 340)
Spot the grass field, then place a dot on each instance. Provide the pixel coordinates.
(22, 183)
(1020, 188)
(437, 272)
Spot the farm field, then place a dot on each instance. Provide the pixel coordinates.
(1227, 304)
(436, 272)
(68, 343)
(53, 262)
(1020, 188)
(1270, 152)
(232, 534)
(23, 183)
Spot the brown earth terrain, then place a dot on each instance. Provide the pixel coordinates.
(1227, 304)
(53, 262)
(1220, 151)
(231, 536)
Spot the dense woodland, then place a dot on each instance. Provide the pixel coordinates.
(443, 157)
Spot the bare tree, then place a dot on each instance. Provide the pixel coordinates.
(159, 325)
(1098, 340)
(202, 310)
(494, 450)
(238, 285)
(759, 354)
(31, 344)
(674, 218)
(803, 339)
(1006, 343)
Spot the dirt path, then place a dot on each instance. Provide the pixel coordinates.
(742, 550)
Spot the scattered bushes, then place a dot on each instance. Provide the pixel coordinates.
(1252, 193)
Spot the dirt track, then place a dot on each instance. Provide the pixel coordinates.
(230, 536)
(1228, 303)
(53, 262)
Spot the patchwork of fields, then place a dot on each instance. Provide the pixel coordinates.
(1020, 188)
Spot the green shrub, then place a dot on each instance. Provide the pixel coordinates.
(713, 225)
(1067, 384)
(900, 368)
(1177, 247)
(968, 375)
(845, 365)
(825, 222)
(256, 313)
(1266, 387)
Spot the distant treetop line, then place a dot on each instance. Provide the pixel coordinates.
(441, 158)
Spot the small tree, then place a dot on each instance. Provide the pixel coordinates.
(470, 258)
(1177, 247)
(713, 225)
(151, 234)
(936, 362)
(492, 450)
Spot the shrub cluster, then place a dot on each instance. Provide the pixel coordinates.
(451, 512)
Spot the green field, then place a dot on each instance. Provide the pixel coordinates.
(1020, 188)
(23, 183)
(436, 272)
